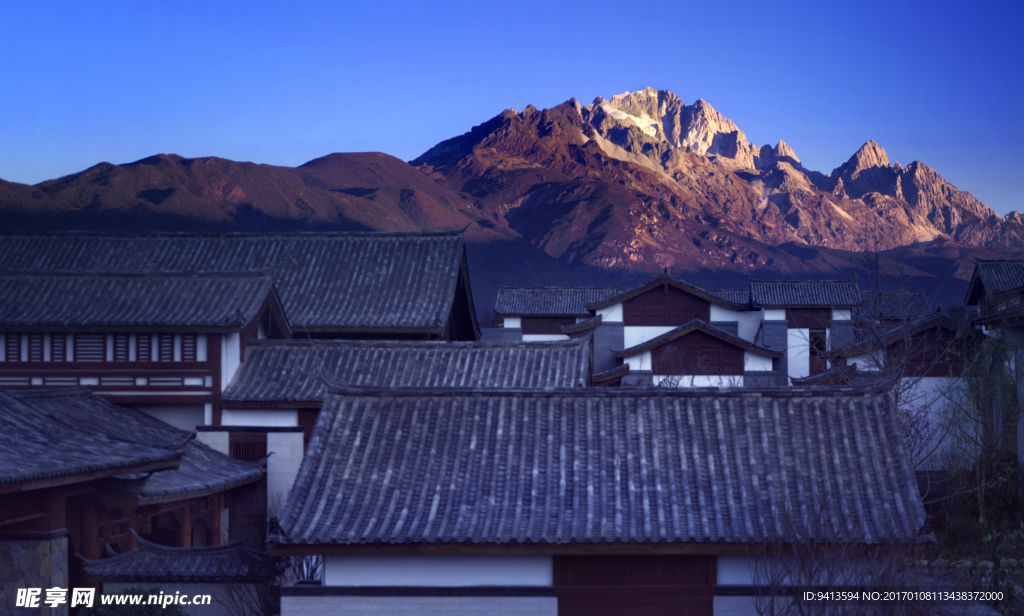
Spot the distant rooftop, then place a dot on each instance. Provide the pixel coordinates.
(548, 301)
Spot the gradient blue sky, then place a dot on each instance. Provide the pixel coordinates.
(283, 83)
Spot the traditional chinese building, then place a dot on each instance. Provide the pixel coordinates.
(588, 501)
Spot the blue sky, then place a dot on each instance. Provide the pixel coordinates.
(283, 83)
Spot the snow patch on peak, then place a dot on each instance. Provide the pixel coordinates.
(645, 123)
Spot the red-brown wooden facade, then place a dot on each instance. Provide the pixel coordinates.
(665, 305)
(697, 353)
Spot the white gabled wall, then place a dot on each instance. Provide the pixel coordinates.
(699, 380)
(544, 337)
(747, 321)
(752, 362)
(774, 314)
(282, 467)
(641, 361)
(265, 418)
(633, 335)
(441, 570)
(798, 350)
(230, 357)
(513, 322)
(842, 314)
(611, 314)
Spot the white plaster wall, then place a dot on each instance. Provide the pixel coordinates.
(774, 314)
(544, 337)
(798, 350)
(842, 314)
(418, 606)
(201, 347)
(747, 321)
(181, 416)
(282, 467)
(926, 401)
(867, 363)
(230, 357)
(752, 362)
(267, 418)
(513, 322)
(219, 441)
(701, 380)
(633, 335)
(611, 314)
(441, 570)
(639, 362)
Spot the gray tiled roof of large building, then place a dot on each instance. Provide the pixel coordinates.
(548, 301)
(736, 296)
(38, 444)
(150, 562)
(803, 293)
(91, 418)
(330, 280)
(906, 305)
(298, 370)
(1002, 275)
(112, 300)
(604, 466)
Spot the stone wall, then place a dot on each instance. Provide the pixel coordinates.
(33, 560)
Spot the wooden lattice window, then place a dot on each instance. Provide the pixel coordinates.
(144, 347)
(120, 347)
(59, 347)
(35, 347)
(165, 350)
(188, 347)
(12, 347)
(90, 347)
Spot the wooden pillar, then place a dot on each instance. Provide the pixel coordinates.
(90, 536)
(185, 532)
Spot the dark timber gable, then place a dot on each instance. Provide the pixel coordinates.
(665, 305)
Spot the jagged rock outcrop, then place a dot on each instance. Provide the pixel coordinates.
(643, 176)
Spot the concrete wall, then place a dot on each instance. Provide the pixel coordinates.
(608, 337)
(420, 606)
(441, 570)
(33, 560)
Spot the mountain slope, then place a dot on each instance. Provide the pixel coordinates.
(645, 180)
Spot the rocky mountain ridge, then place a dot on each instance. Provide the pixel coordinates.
(646, 159)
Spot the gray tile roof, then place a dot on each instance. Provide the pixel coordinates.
(123, 300)
(150, 562)
(548, 301)
(37, 444)
(736, 296)
(496, 333)
(330, 280)
(604, 466)
(297, 370)
(1000, 276)
(91, 418)
(803, 293)
(893, 305)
